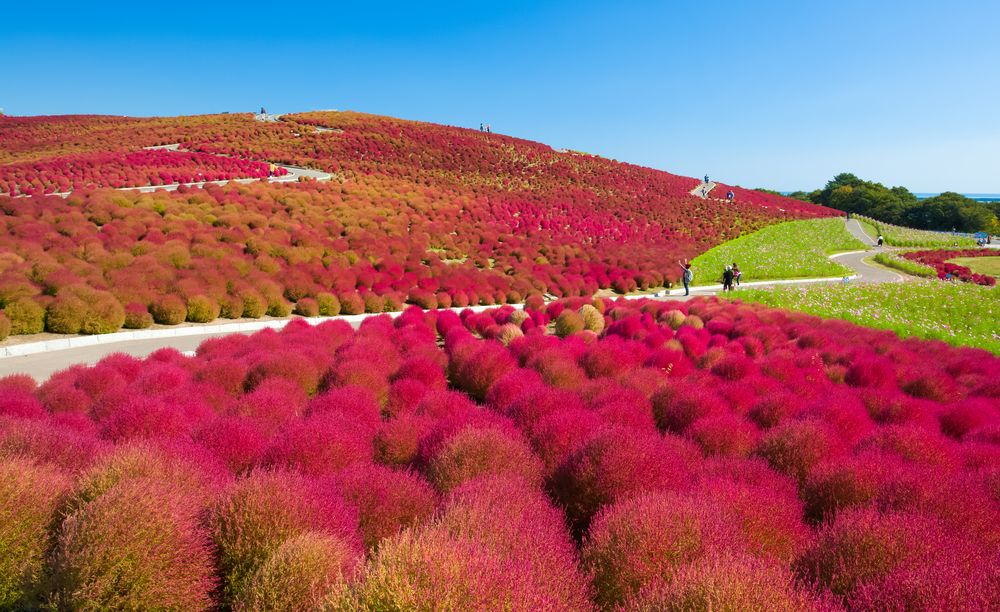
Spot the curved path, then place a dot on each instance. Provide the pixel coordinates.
(47, 357)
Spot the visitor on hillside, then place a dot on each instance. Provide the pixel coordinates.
(727, 279)
(488, 130)
(737, 274)
(687, 276)
(271, 169)
(730, 195)
(704, 192)
(481, 126)
(880, 239)
(706, 178)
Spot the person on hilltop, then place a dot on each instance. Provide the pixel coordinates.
(737, 274)
(730, 195)
(880, 240)
(727, 279)
(706, 178)
(686, 276)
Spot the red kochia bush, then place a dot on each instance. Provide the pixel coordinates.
(236, 441)
(726, 581)
(139, 544)
(635, 542)
(321, 444)
(864, 555)
(617, 463)
(387, 500)
(261, 512)
(30, 494)
(512, 517)
(475, 452)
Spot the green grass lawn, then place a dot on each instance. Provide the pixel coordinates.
(962, 314)
(980, 265)
(796, 249)
(895, 235)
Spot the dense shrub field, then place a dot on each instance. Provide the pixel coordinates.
(421, 214)
(939, 260)
(139, 168)
(651, 455)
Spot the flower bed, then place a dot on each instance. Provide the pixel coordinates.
(939, 260)
(660, 455)
(135, 169)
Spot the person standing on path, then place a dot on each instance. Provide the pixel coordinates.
(737, 274)
(686, 276)
(727, 279)
(880, 240)
(706, 178)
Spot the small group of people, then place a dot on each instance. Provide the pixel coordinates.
(731, 276)
(484, 127)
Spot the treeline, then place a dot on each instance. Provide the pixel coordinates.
(897, 205)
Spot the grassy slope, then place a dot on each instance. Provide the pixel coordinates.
(895, 235)
(797, 249)
(980, 265)
(957, 313)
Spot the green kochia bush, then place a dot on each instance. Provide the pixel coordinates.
(80, 309)
(202, 309)
(26, 317)
(139, 545)
(168, 310)
(329, 305)
(254, 305)
(137, 317)
(4, 326)
(29, 496)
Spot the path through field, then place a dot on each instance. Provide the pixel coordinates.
(703, 190)
(41, 365)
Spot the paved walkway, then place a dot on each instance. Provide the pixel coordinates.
(43, 365)
(703, 190)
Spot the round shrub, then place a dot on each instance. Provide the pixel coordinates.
(65, 314)
(202, 309)
(374, 303)
(320, 445)
(139, 545)
(295, 367)
(29, 497)
(568, 322)
(725, 434)
(263, 510)
(351, 303)
(4, 326)
(305, 572)
(795, 447)
(329, 305)
(593, 320)
(729, 581)
(254, 305)
(387, 500)
(428, 569)
(26, 317)
(618, 463)
(168, 310)
(104, 315)
(237, 441)
(278, 306)
(231, 307)
(863, 546)
(307, 307)
(515, 519)
(635, 542)
(475, 452)
(137, 316)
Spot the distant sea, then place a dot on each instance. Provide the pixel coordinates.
(980, 197)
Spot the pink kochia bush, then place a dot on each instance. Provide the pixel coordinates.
(690, 455)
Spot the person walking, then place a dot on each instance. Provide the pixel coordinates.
(727, 279)
(686, 276)
(737, 274)
(880, 240)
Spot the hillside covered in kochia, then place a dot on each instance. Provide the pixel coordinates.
(419, 213)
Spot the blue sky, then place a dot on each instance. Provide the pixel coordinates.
(776, 94)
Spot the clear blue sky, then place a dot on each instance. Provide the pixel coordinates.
(776, 94)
